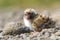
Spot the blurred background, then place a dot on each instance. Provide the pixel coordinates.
(29, 3)
(12, 10)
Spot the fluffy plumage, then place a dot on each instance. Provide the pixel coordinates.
(38, 21)
(42, 21)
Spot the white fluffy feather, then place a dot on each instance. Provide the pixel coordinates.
(27, 23)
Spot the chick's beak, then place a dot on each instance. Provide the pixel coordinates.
(27, 14)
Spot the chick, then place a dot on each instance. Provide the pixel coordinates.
(35, 21)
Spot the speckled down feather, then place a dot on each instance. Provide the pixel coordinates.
(42, 21)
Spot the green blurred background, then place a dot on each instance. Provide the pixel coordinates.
(29, 3)
(13, 10)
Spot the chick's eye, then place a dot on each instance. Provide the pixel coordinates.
(28, 13)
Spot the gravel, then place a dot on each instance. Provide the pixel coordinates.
(45, 34)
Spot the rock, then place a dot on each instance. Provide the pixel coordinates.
(9, 38)
(28, 38)
(27, 34)
(54, 37)
(45, 33)
(1, 30)
(21, 36)
(45, 38)
(52, 30)
(18, 36)
(57, 33)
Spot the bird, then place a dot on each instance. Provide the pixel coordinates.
(36, 21)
